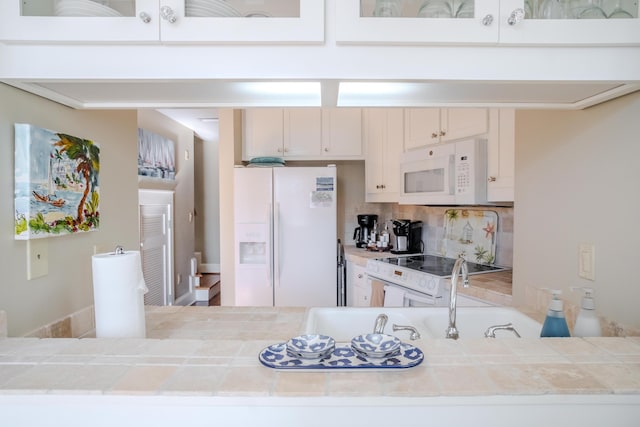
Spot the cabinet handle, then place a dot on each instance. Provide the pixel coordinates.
(279, 150)
(434, 135)
(443, 132)
(286, 150)
(167, 14)
(492, 179)
(516, 16)
(383, 186)
(360, 276)
(326, 150)
(145, 17)
(487, 20)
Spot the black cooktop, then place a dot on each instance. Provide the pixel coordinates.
(436, 265)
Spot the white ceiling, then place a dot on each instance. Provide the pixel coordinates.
(189, 101)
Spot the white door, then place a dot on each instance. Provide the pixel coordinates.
(305, 250)
(156, 245)
(253, 236)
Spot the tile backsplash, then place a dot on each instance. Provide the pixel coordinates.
(433, 228)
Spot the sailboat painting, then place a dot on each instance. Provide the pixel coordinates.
(56, 183)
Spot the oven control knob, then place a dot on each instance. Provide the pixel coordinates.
(431, 285)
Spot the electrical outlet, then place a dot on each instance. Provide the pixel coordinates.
(37, 258)
(587, 261)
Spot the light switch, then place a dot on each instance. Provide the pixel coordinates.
(587, 261)
(37, 258)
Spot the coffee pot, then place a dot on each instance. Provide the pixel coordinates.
(362, 233)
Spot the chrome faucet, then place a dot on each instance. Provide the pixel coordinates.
(491, 330)
(414, 334)
(381, 322)
(459, 268)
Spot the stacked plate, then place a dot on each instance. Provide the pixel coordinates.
(310, 346)
(203, 8)
(83, 8)
(376, 345)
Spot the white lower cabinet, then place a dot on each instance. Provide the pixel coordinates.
(358, 288)
(501, 155)
(383, 135)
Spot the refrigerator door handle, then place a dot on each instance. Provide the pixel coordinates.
(270, 244)
(276, 244)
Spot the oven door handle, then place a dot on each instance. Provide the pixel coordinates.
(423, 299)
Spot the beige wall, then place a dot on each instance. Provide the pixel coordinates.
(68, 286)
(184, 220)
(578, 180)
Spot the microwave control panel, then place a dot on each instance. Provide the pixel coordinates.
(463, 175)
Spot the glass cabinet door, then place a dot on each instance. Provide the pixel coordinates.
(245, 21)
(570, 22)
(261, 21)
(417, 21)
(79, 20)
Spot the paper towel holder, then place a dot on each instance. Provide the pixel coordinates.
(119, 250)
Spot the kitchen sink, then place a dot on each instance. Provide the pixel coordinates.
(344, 323)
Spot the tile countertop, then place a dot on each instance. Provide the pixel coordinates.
(203, 361)
(491, 287)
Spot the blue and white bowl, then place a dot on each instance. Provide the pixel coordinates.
(376, 345)
(310, 346)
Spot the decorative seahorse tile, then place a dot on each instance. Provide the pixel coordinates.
(470, 233)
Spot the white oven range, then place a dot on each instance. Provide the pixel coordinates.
(424, 279)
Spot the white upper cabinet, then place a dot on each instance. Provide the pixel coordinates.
(303, 133)
(570, 22)
(501, 155)
(358, 22)
(383, 133)
(486, 22)
(427, 126)
(213, 21)
(342, 133)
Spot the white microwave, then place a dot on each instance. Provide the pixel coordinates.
(451, 173)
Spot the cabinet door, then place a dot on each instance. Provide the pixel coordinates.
(264, 21)
(302, 132)
(50, 21)
(374, 135)
(421, 127)
(460, 123)
(525, 22)
(355, 23)
(501, 155)
(342, 133)
(357, 293)
(383, 131)
(263, 133)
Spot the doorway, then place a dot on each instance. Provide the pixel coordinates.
(155, 209)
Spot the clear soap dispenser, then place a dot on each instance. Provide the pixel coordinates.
(587, 322)
(555, 324)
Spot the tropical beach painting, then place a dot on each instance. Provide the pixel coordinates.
(56, 183)
(156, 156)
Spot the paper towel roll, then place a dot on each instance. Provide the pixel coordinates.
(118, 295)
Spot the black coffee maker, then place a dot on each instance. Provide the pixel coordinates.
(366, 224)
(408, 236)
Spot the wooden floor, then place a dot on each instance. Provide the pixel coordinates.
(209, 280)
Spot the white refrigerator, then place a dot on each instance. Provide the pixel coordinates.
(285, 236)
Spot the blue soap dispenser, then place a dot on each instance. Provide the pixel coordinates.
(555, 324)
